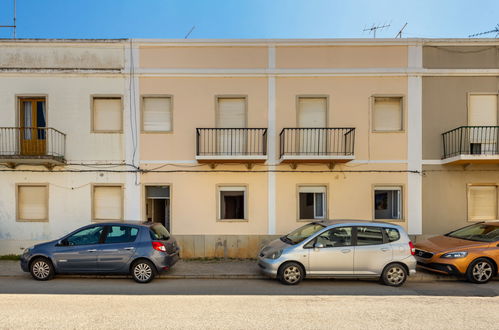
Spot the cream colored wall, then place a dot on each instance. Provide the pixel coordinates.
(341, 56)
(349, 106)
(203, 57)
(194, 101)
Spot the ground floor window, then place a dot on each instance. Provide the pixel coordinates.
(388, 203)
(312, 202)
(32, 202)
(107, 202)
(482, 202)
(232, 202)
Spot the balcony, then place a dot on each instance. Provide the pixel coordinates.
(317, 145)
(231, 145)
(32, 145)
(471, 144)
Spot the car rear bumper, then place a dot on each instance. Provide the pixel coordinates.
(165, 262)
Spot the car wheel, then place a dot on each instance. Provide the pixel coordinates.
(291, 273)
(394, 275)
(143, 271)
(480, 271)
(41, 269)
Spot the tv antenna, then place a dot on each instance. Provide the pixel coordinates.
(399, 35)
(13, 26)
(495, 30)
(374, 28)
(190, 31)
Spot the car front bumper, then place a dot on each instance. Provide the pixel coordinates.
(269, 267)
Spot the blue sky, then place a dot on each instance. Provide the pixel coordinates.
(247, 18)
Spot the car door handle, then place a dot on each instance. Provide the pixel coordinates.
(384, 249)
(129, 248)
(345, 251)
(110, 250)
(92, 250)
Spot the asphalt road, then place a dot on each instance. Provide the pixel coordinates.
(74, 303)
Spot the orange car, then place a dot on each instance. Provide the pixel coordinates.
(472, 251)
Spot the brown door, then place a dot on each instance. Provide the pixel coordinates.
(33, 135)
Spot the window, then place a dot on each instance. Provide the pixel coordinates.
(231, 112)
(32, 202)
(387, 114)
(482, 112)
(157, 114)
(312, 202)
(121, 234)
(369, 236)
(107, 114)
(392, 234)
(87, 236)
(335, 237)
(312, 112)
(482, 202)
(232, 203)
(387, 203)
(107, 202)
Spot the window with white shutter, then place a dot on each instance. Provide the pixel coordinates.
(107, 202)
(312, 112)
(32, 202)
(231, 112)
(107, 115)
(387, 114)
(157, 114)
(482, 202)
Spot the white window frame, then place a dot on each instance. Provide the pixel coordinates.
(315, 189)
(400, 208)
(158, 96)
(234, 187)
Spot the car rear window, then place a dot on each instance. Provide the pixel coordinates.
(159, 232)
(392, 234)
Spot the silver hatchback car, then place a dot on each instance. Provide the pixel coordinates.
(341, 248)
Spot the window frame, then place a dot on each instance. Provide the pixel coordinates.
(142, 110)
(311, 96)
(92, 201)
(219, 189)
(356, 231)
(47, 191)
(92, 112)
(391, 186)
(402, 112)
(468, 200)
(325, 201)
(108, 229)
(230, 96)
(468, 103)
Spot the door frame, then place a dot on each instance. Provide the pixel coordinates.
(19, 98)
(144, 197)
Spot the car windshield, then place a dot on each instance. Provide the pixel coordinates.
(480, 232)
(298, 235)
(158, 231)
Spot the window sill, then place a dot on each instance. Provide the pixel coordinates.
(232, 220)
(29, 220)
(389, 220)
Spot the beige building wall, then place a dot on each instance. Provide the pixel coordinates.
(442, 56)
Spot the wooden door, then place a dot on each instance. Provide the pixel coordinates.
(33, 135)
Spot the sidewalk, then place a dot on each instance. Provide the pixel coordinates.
(210, 269)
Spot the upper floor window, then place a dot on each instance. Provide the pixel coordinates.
(387, 114)
(231, 112)
(312, 112)
(157, 114)
(107, 114)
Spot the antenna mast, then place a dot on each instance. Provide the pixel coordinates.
(375, 28)
(190, 31)
(13, 26)
(399, 35)
(495, 30)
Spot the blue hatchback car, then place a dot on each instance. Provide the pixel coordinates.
(140, 249)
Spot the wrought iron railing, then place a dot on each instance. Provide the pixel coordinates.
(317, 141)
(231, 141)
(471, 140)
(32, 142)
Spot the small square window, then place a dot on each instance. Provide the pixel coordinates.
(107, 202)
(232, 203)
(387, 114)
(388, 203)
(32, 202)
(482, 202)
(157, 114)
(312, 202)
(107, 115)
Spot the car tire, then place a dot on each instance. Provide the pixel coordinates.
(480, 271)
(394, 275)
(142, 271)
(42, 269)
(291, 273)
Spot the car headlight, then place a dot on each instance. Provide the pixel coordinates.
(26, 251)
(453, 255)
(273, 254)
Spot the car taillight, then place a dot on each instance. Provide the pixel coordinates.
(411, 247)
(159, 246)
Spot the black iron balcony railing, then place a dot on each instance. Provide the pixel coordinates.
(317, 141)
(32, 142)
(231, 142)
(471, 140)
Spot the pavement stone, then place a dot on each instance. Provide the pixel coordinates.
(210, 269)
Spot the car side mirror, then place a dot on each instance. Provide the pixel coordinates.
(318, 245)
(62, 242)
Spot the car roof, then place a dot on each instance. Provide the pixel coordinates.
(492, 223)
(127, 222)
(353, 222)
